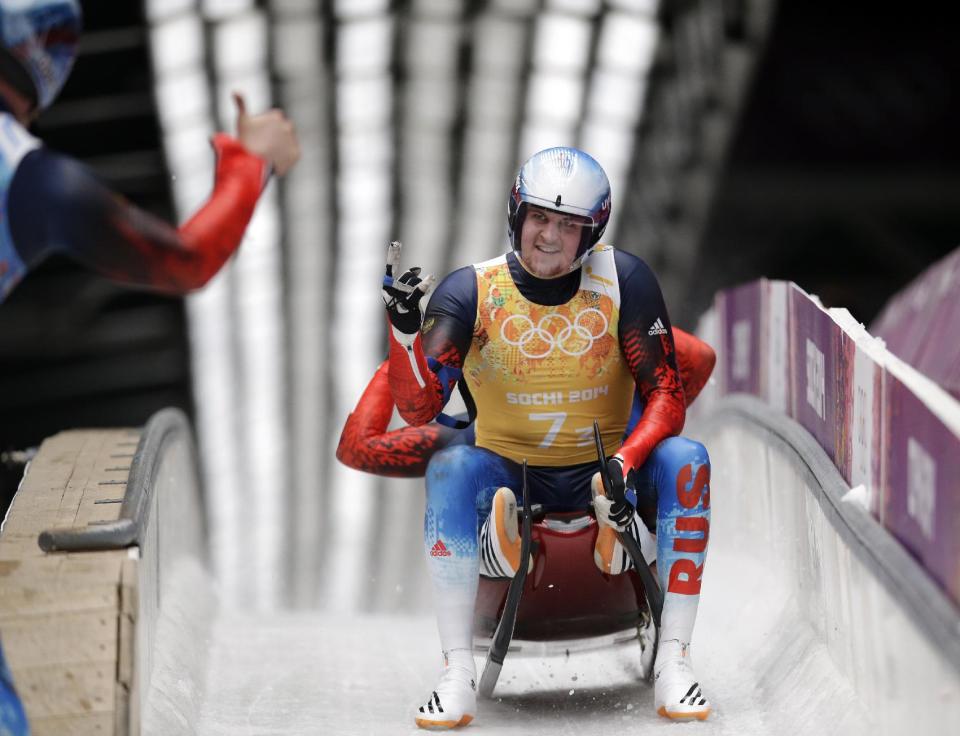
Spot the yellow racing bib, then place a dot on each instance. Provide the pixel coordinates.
(540, 375)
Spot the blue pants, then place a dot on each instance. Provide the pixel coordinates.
(674, 481)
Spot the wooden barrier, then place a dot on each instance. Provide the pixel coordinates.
(68, 619)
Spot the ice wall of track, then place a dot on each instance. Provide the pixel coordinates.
(775, 512)
(177, 599)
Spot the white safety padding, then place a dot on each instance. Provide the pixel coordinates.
(775, 345)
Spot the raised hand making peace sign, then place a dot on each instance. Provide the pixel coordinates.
(402, 295)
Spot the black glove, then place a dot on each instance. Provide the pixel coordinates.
(402, 295)
(621, 510)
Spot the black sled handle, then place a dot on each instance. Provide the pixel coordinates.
(504, 633)
(612, 491)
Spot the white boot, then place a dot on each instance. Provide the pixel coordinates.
(500, 538)
(454, 700)
(677, 692)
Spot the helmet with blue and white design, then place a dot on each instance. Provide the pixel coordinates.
(39, 39)
(562, 179)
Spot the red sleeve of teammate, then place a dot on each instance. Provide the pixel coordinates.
(216, 229)
(213, 233)
(57, 205)
(695, 361)
(366, 445)
(646, 341)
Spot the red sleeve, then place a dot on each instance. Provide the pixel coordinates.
(366, 445)
(216, 229)
(199, 247)
(695, 361)
(415, 388)
(58, 205)
(646, 342)
(446, 335)
(658, 382)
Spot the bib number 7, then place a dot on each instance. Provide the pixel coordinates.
(556, 419)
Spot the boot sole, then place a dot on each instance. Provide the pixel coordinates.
(442, 725)
(700, 715)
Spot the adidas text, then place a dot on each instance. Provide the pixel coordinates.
(440, 550)
(657, 328)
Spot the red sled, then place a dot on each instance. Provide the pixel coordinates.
(565, 602)
(565, 596)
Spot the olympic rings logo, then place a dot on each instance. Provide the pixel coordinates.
(537, 341)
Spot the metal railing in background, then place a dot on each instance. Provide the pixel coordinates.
(126, 531)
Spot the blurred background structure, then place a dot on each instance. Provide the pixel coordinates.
(743, 138)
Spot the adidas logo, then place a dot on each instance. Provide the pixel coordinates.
(657, 328)
(440, 550)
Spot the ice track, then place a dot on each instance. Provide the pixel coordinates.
(793, 637)
(326, 674)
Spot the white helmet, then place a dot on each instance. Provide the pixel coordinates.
(562, 179)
